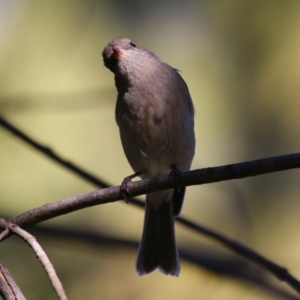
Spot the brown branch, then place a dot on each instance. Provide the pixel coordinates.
(279, 272)
(8, 287)
(40, 254)
(64, 206)
(209, 175)
(51, 154)
(196, 177)
(5, 231)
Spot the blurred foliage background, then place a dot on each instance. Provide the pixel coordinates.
(241, 62)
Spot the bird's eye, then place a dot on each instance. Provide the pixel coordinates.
(132, 44)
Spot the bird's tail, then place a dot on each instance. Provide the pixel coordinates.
(158, 246)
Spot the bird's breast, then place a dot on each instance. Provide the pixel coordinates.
(144, 135)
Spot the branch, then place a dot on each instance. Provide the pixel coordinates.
(279, 272)
(196, 177)
(208, 175)
(64, 206)
(228, 172)
(40, 254)
(8, 287)
(221, 264)
(145, 186)
(51, 154)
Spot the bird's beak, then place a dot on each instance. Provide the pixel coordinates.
(117, 53)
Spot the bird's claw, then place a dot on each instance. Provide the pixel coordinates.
(175, 173)
(123, 188)
(126, 181)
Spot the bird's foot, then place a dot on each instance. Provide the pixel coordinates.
(124, 186)
(123, 189)
(175, 173)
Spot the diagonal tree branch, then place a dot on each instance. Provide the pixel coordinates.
(210, 175)
(51, 154)
(278, 271)
(9, 290)
(196, 177)
(40, 254)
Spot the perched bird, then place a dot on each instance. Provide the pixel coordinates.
(155, 116)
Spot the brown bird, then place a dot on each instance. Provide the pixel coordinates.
(155, 116)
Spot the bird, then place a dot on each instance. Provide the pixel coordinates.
(155, 115)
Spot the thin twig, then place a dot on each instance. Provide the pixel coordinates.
(41, 255)
(9, 290)
(5, 232)
(51, 154)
